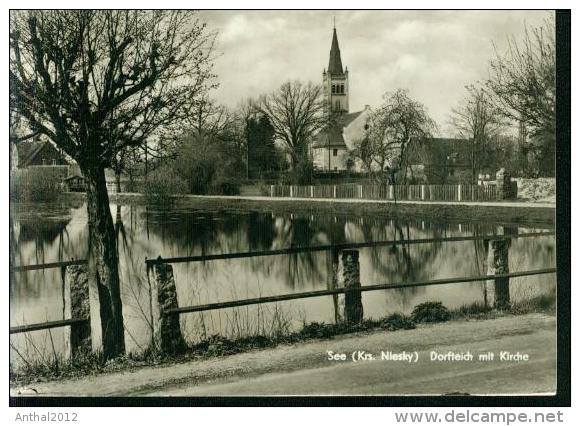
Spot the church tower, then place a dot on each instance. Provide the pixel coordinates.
(335, 80)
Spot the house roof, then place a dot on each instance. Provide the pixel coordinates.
(28, 150)
(334, 62)
(335, 134)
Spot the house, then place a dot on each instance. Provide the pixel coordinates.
(36, 153)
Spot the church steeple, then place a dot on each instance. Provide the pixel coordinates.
(335, 79)
(334, 62)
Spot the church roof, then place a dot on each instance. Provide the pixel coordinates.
(334, 62)
(335, 133)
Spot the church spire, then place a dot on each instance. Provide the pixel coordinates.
(334, 63)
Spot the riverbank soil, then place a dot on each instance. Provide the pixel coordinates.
(304, 369)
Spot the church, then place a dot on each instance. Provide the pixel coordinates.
(436, 160)
(331, 147)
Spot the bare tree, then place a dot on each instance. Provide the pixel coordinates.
(95, 83)
(478, 120)
(389, 131)
(209, 118)
(523, 84)
(297, 112)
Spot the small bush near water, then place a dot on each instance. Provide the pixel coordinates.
(430, 312)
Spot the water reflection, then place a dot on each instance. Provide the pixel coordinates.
(45, 233)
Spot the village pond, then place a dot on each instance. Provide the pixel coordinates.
(44, 233)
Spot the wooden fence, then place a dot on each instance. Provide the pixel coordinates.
(84, 334)
(458, 192)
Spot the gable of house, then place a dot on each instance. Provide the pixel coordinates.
(39, 153)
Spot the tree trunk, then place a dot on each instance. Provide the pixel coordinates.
(473, 177)
(103, 262)
(118, 180)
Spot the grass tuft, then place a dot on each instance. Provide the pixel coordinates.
(397, 321)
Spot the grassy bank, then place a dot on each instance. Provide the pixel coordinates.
(217, 346)
(508, 215)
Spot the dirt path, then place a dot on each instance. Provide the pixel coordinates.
(304, 369)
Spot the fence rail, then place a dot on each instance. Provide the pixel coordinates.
(459, 192)
(47, 325)
(339, 247)
(64, 264)
(166, 332)
(329, 292)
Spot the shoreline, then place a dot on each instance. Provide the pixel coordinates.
(507, 212)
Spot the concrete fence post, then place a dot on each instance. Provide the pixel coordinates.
(459, 192)
(353, 308)
(77, 305)
(272, 191)
(423, 192)
(95, 291)
(167, 337)
(506, 189)
(311, 191)
(391, 192)
(333, 282)
(498, 263)
(334, 191)
(360, 191)
(291, 191)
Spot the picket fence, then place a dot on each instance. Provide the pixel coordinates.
(459, 192)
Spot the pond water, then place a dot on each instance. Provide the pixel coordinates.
(47, 233)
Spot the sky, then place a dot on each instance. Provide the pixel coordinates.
(433, 54)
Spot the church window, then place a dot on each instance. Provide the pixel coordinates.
(334, 152)
(333, 88)
(342, 88)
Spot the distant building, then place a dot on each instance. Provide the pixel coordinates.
(75, 183)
